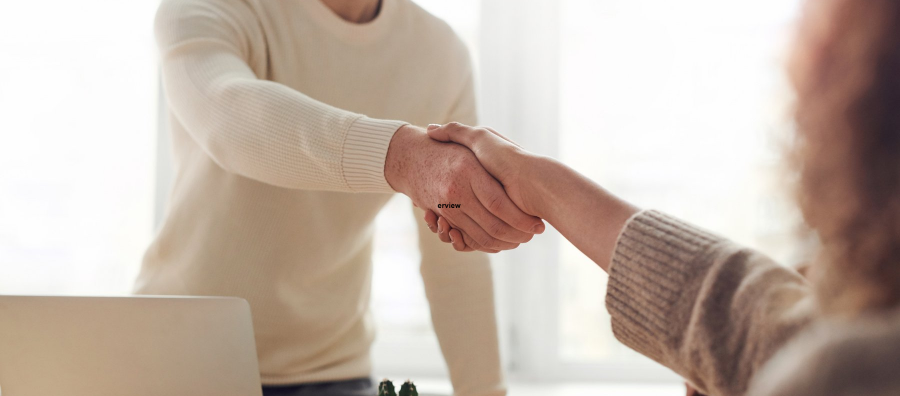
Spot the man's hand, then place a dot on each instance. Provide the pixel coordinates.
(502, 158)
(433, 173)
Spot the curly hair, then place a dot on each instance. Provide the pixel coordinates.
(847, 151)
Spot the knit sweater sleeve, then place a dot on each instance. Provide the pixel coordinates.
(710, 310)
(253, 127)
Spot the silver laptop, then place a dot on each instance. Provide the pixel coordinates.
(139, 346)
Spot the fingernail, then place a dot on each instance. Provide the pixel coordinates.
(451, 239)
(433, 126)
(439, 227)
(538, 228)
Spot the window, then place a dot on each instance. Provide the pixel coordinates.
(78, 111)
(672, 105)
(677, 106)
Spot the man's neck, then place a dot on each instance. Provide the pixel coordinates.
(355, 11)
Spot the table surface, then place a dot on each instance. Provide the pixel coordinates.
(442, 388)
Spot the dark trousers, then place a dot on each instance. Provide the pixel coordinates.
(354, 387)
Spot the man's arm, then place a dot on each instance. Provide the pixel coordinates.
(274, 134)
(256, 128)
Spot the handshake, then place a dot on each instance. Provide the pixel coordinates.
(471, 181)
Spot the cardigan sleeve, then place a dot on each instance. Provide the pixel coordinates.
(710, 310)
(253, 127)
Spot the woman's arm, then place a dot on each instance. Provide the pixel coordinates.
(710, 310)
(587, 215)
(583, 212)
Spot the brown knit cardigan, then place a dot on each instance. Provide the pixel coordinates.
(733, 322)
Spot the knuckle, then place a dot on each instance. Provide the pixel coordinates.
(460, 165)
(495, 202)
(491, 243)
(497, 229)
(446, 190)
(470, 242)
(484, 240)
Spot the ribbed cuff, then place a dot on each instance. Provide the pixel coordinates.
(365, 148)
(654, 276)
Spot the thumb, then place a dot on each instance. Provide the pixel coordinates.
(453, 132)
(437, 132)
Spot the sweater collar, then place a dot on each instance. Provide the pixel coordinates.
(349, 31)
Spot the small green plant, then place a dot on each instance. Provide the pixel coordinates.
(386, 388)
(408, 389)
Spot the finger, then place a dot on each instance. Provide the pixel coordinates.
(479, 236)
(443, 230)
(494, 226)
(446, 227)
(502, 137)
(458, 243)
(493, 197)
(457, 133)
(431, 220)
(457, 240)
(470, 244)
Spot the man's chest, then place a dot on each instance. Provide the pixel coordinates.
(384, 82)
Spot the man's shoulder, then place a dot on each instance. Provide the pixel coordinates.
(434, 31)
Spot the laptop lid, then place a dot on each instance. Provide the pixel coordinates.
(140, 346)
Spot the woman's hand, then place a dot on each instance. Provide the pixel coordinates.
(508, 162)
(502, 158)
(583, 212)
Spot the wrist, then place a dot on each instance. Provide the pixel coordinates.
(398, 159)
(541, 173)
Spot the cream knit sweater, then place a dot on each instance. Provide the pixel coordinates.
(279, 177)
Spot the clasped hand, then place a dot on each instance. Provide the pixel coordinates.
(483, 215)
(503, 215)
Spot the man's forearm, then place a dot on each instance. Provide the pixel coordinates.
(397, 161)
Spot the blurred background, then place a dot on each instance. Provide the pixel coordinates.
(676, 105)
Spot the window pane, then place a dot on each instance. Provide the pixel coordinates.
(676, 106)
(78, 111)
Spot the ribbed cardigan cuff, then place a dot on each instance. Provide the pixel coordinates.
(364, 152)
(654, 277)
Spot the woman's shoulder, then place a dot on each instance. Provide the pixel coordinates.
(837, 357)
